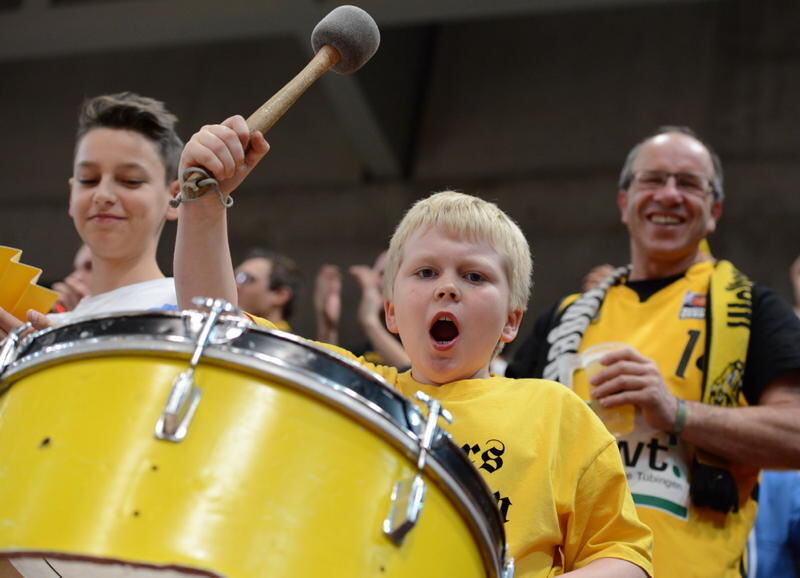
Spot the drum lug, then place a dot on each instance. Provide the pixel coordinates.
(179, 409)
(408, 496)
(184, 396)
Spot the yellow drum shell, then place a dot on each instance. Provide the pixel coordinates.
(268, 482)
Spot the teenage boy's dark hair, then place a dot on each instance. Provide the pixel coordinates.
(146, 116)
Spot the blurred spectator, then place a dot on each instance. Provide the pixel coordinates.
(594, 277)
(77, 284)
(777, 530)
(267, 283)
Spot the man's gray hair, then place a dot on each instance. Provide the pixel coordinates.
(626, 176)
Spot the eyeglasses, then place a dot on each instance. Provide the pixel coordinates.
(687, 183)
(243, 278)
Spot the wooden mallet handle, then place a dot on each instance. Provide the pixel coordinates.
(271, 111)
(344, 40)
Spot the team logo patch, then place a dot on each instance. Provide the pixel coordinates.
(694, 306)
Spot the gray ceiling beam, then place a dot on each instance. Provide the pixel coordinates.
(405, 12)
(134, 24)
(39, 30)
(35, 6)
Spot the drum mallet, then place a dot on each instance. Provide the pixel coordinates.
(344, 41)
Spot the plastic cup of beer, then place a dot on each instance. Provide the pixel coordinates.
(619, 420)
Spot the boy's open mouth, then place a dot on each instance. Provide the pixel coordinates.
(444, 330)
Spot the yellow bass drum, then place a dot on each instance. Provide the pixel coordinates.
(169, 445)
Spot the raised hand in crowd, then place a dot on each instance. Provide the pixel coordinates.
(328, 303)
(370, 314)
(77, 284)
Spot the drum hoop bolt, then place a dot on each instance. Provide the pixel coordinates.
(408, 496)
(184, 396)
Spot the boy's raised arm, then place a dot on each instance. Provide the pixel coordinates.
(202, 263)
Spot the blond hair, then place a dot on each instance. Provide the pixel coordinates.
(476, 220)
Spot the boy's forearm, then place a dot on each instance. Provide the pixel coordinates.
(203, 266)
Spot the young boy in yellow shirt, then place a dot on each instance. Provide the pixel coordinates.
(457, 283)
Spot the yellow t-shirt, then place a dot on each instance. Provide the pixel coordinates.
(554, 469)
(670, 328)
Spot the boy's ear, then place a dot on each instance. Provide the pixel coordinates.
(511, 328)
(284, 295)
(174, 189)
(70, 184)
(391, 320)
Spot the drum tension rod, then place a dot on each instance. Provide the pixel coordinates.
(185, 395)
(408, 496)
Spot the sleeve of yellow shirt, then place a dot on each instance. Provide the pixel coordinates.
(602, 515)
(260, 321)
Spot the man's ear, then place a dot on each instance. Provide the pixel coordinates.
(511, 328)
(622, 204)
(716, 213)
(391, 320)
(174, 189)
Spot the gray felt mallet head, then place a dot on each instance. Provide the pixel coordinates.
(343, 41)
(352, 32)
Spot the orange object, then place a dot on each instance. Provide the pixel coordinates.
(18, 289)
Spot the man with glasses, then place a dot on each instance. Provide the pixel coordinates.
(701, 346)
(267, 284)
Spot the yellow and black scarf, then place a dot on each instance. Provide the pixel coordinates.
(728, 316)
